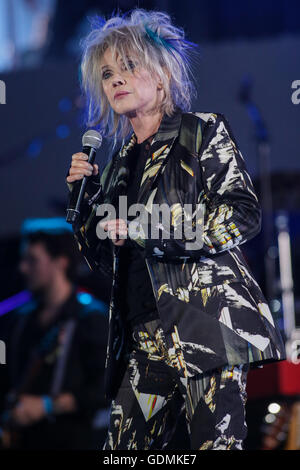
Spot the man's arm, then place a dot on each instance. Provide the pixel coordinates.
(90, 395)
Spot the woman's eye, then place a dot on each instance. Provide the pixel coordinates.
(131, 64)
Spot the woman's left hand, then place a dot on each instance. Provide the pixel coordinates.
(116, 227)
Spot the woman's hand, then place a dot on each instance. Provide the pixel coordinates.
(80, 167)
(115, 227)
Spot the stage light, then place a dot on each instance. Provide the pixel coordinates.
(274, 408)
(276, 305)
(270, 418)
(62, 131)
(65, 105)
(48, 224)
(34, 148)
(84, 298)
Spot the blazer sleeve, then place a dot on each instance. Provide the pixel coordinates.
(232, 214)
(233, 211)
(97, 253)
(93, 192)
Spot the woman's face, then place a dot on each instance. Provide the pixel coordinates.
(144, 91)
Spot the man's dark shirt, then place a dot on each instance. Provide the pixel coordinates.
(32, 352)
(135, 279)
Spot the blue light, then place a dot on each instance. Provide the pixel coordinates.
(62, 131)
(14, 301)
(84, 298)
(65, 105)
(34, 148)
(280, 323)
(53, 225)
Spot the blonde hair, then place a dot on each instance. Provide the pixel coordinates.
(159, 46)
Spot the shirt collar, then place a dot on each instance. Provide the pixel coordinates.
(66, 309)
(168, 128)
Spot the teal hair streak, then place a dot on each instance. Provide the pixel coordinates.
(157, 39)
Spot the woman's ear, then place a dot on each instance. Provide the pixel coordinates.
(168, 74)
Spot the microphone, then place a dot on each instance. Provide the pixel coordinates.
(91, 141)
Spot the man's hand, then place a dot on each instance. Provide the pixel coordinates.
(29, 409)
(64, 403)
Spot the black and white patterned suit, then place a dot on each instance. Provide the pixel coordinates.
(212, 312)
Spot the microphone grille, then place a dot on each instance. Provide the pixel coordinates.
(92, 138)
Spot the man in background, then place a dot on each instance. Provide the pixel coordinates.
(56, 349)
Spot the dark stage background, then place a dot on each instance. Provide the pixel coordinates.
(250, 45)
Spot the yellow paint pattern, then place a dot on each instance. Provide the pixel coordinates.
(187, 168)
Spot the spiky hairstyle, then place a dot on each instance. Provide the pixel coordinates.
(159, 46)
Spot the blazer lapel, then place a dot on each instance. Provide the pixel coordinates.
(161, 145)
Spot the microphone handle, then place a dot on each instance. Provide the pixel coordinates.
(73, 211)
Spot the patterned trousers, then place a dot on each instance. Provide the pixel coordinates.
(152, 396)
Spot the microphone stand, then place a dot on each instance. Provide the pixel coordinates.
(286, 279)
(263, 150)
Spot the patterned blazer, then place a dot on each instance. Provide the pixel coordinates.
(211, 308)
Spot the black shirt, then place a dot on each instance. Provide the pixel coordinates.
(136, 282)
(32, 355)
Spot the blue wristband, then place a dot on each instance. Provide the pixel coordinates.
(48, 404)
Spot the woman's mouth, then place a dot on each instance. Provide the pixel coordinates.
(120, 95)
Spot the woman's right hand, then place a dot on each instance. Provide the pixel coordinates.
(80, 167)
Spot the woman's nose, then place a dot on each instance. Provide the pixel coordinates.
(118, 80)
